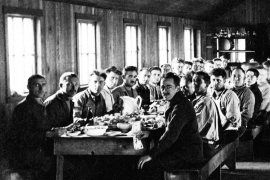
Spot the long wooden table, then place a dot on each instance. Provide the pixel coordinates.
(101, 145)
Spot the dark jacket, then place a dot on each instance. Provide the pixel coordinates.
(28, 131)
(258, 100)
(57, 110)
(86, 107)
(144, 92)
(181, 138)
(122, 91)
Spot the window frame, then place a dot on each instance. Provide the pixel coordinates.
(36, 15)
(92, 19)
(196, 41)
(137, 23)
(166, 25)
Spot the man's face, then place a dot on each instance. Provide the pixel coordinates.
(224, 61)
(196, 66)
(186, 87)
(112, 80)
(37, 88)
(200, 87)
(144, 75)
(130, 78)
(217, 82)
(155, 76)
(187, 68)
(238, 78)
(250, 78)
(177, 68)
(262, 77)
(209, 68)
(165, 69)
(70, 86)
(168, 88)
(218, 64)
(96, 84)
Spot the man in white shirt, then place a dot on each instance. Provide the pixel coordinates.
(111, 82)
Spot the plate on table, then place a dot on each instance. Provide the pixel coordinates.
(114, 133)
(73, 134)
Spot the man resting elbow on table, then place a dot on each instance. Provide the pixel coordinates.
(181, 143)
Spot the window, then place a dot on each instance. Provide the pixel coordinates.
(23, 44)
(88, 56)
(164, 42)
(132, 42)
(192, 43)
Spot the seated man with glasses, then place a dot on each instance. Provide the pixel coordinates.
(180, 143)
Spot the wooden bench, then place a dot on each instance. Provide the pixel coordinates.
(209, 169)
(245, 151)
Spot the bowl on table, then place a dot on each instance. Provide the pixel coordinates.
(95, 130)
(73, 133)
(125, 127)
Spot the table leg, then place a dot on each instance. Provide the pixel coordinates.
(59, 167)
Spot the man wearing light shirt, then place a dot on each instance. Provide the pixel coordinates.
(110, 83)
(228, 105)
(265, 89)
(246, 97)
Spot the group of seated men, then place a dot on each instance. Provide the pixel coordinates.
(203, 110)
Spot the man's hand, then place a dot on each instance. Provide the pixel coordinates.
(143, 160)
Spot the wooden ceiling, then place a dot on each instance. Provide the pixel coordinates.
(195, 9)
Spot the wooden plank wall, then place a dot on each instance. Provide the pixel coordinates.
(59, 39)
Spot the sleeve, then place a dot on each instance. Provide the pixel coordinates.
(204, 115)
(116, 95)
(232, 107)
(177, 122)
(51, 113)
(248, 107)
(78, 108)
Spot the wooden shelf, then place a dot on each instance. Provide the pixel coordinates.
(235, 51)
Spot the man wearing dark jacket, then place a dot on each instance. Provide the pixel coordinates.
(59, 106)
(180, 144)
(28, 131)
(251, 82)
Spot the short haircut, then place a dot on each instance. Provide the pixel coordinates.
(144, 68)
(196, 60)
(219, 72)
(255, 71)
(226, 56)
(129, 68)
(154, 68)
(34, 77)
(205, 76)
(217, 59)
(173, 76)
(177, 60)
(94, 72)
(66, 75)
(189, 63)
(209, 61)
(239, 68)
(164, 65)
(188, 77)
(104, 75)
(113, 69)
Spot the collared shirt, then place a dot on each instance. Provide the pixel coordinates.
(122, 91)
(86, 107)
(155, 92)
(207, 117)
(108, 96)
(265, 89)
(229, 108)
(247, 102)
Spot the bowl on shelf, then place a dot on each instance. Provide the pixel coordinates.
(125, 127)
(95, 130)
